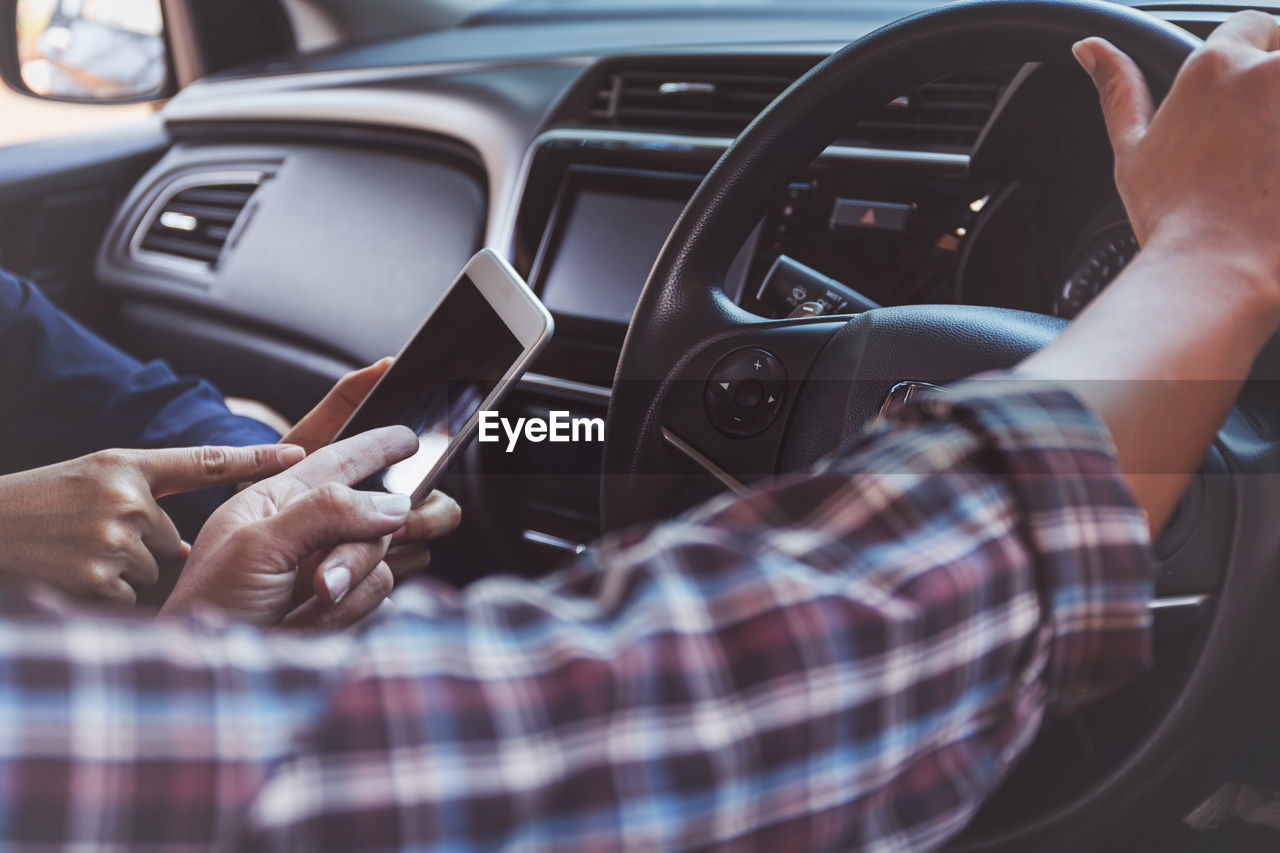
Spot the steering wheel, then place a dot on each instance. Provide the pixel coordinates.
(824, 378)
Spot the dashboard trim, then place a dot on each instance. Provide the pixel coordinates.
(542, 382)
(556, 543)
(655, 141)
(338, 78)
(1179, 602)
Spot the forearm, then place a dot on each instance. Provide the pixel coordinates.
(79, 394)
(916, 606)
(1161, 356)
(798, 665)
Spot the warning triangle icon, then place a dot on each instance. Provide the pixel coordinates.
(868, 218)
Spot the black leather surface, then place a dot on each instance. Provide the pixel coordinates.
(927, 343)
(683, 302)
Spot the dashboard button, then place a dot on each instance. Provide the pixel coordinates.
(745, 392)
(858, 213)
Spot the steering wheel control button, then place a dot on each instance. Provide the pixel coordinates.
(748, 394)
(745, 392)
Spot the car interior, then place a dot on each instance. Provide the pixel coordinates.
(758, 224)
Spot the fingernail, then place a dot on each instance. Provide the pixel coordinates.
(337, 580)
(392, 505)
(1084, 55)
(290, 454)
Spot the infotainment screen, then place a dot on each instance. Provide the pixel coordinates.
(605, 234)
(609, 244)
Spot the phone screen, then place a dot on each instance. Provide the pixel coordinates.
(439, 381)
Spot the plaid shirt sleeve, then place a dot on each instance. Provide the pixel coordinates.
(849, 659)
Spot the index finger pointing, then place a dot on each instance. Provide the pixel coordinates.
(188, 469)
(357, 458)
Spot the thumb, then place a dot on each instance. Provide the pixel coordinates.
(322, 423)
(1127, 104)
(189, 469)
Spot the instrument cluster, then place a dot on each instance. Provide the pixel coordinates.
(1098, 260)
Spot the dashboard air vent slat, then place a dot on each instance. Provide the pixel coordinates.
(946, 115)
(188, 249)
(633, 97)
(195, 218)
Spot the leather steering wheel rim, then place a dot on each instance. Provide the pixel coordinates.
(684, 302)
(684, 306)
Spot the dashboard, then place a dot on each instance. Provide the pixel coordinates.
(328, 202)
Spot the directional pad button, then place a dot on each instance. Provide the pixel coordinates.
(745, 392)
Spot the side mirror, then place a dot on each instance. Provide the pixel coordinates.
(87, 51)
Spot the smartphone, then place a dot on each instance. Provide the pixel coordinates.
(477, 343)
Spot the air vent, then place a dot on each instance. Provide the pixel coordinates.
(681, 99)
(947, 114)
(194, 218)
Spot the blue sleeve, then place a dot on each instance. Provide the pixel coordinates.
(66, 392)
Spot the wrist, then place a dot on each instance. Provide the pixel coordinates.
(1232, 269)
